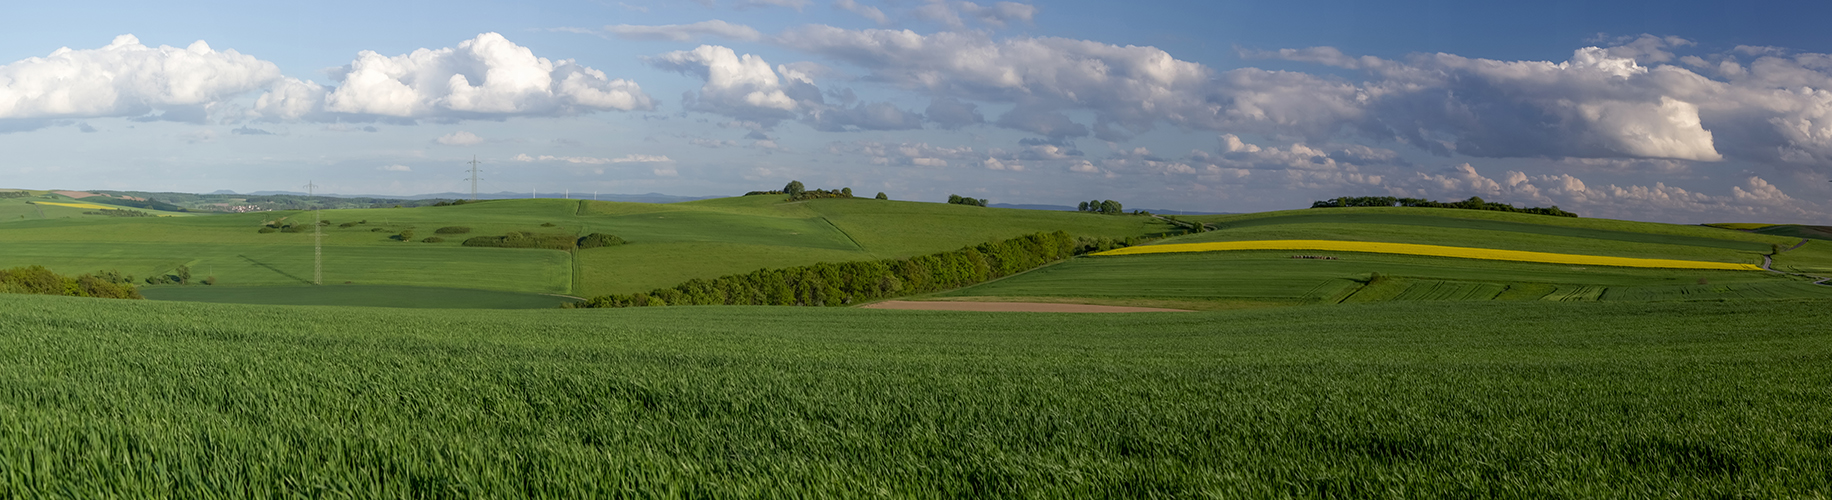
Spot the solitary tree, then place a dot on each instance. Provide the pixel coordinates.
(794, 189)
(881, 196)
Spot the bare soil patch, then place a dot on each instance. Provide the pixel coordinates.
(1012, 307)
(76, 194)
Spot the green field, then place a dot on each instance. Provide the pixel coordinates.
(1220, 280)
(1531, 400)
(357, 295)
(668, 243)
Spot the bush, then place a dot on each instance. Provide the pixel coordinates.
(596, 240)
(432, 239)
(452, 230)
(523, 239)
(265, 230)
(405, 236)
(294, 228)
(41, 281)
(881, 196)
(546, 224)
(375, 230)
(347, 225)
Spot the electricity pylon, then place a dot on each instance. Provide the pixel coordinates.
(474, 178)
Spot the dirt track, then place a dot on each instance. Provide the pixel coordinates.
(1011, 307)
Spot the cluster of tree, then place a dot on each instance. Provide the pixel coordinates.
(828, 284)
(452, 230)
(41, 281)
(119, 213)
(798, 192)
(15, 194)
(1108, 207)
(524, 239)
(1473, 203)
(433, 239)
(348, 225)
(179, 276)
(453, 203)
(963, 200)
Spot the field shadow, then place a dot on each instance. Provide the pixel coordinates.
(274, 269)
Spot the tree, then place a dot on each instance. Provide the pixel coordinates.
(881, 196)
(847, 192)
(1083, 207)
(184, 274)
(794, 189)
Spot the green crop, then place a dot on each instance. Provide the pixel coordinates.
(1529, 400)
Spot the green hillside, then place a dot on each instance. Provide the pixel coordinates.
(1223, 280)
(1515, 400)
(668, 243)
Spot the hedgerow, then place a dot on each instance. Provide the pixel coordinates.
(41, 281)
(829, 284)
(524, 239)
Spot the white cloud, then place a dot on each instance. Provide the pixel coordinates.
(395, 168)
(793, 4)
(460, 138)
(865, 11)
(685, 32)
(950, 13)
(590, 160)
(126, 78)
(484, 77)
(746, 88)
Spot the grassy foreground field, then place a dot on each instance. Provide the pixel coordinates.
(1530, 400)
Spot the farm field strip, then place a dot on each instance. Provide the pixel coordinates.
(1428, 250)
(79, 205)
(1543, 400)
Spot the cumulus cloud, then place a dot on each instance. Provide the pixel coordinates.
(127, 78)
(485, 77)
(685, 32)
(952, 113)
(748, 89)
(460, 138)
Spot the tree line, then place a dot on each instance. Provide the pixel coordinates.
(1473, 203)
(1108, 207)
(964, 200)
(41, 281)
(837, 284)
(563, 242)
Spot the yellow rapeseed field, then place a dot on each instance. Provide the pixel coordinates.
(1430, 250)
(76, 205)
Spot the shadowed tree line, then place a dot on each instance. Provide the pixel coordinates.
(838, 284)
(1473, 203)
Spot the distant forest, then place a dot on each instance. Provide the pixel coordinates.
(1473, 203)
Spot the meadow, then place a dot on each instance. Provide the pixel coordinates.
(358, 295)
(1521, 400)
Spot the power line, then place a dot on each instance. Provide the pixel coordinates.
(317, 237)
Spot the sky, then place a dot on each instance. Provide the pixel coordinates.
(1661, 111)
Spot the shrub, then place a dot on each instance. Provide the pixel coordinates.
(347, 225)
(210, 280)
(596, 240)
(41, 281)
(546, 224)
(293, 228)
(265, 230)
(405, 236)
(432, 239)
(523, 239)
(452, 230)
(375, 230)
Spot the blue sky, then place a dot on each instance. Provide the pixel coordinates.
(1685, 112)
